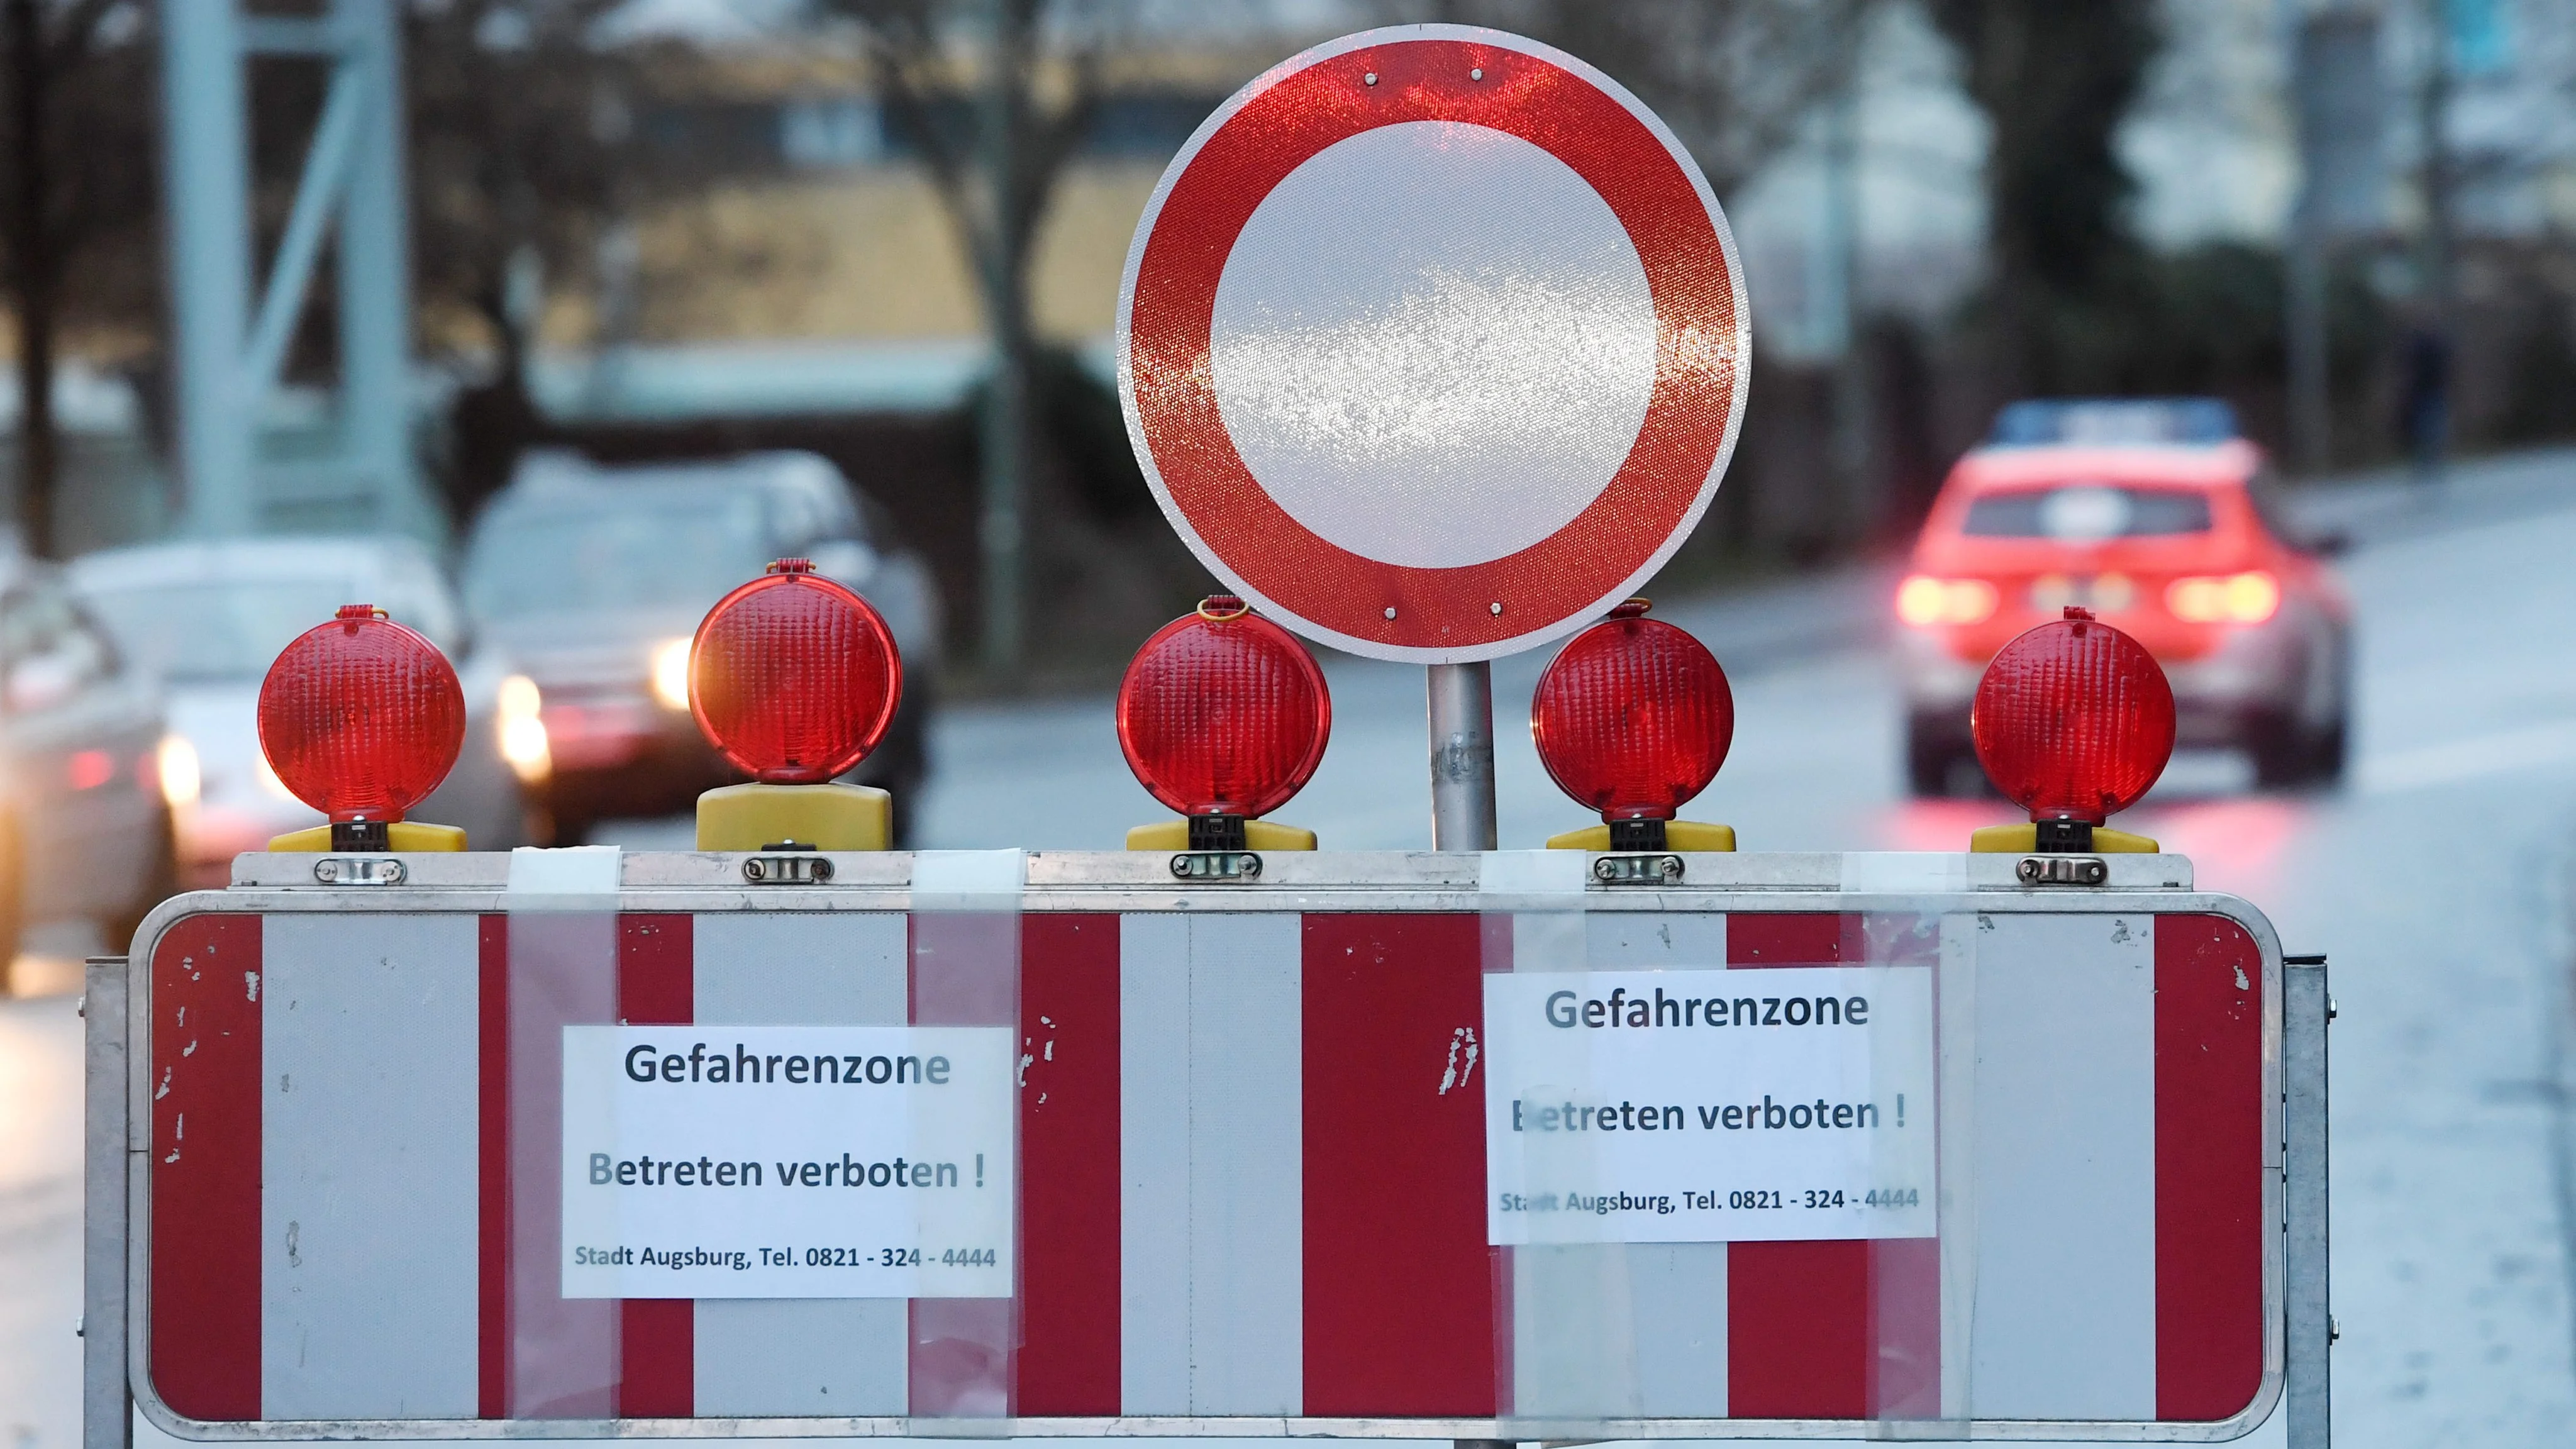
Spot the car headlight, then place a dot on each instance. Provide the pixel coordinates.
(266, 774)
(182, 778)
(671, 673)
(522, 728)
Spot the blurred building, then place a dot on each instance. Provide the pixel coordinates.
(819, 219)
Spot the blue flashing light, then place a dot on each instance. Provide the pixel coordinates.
(2113, 422)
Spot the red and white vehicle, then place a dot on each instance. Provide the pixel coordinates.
(2161, 530)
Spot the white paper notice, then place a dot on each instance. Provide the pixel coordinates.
(787, 1162)
(1709, 1106)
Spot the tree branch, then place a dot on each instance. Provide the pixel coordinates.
(75, 32)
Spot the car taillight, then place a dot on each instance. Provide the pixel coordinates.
(1223, 716)
(1924, 601)
(792, 677)
(361, 718)
(2247, 598)
(1632, 717)
(2073, 720)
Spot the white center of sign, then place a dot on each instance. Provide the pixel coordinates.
(1433, 344)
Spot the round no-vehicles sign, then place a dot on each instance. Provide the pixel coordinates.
(1433, 343)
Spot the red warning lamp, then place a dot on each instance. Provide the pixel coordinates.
(2073, 720)
(361, 718)
(1632, 718)
(793, 677)
(1223, 716)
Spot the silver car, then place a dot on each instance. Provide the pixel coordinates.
(206, 618)
(595, 578)
(84, 831)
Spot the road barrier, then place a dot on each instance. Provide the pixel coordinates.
(1311, 1153)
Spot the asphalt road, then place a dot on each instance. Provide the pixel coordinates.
(2437, 880)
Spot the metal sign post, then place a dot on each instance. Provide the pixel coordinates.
(1462, 756)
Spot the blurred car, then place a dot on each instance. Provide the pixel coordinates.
(595, 579)
(207, 617)
(2155, 515)
(84, 830)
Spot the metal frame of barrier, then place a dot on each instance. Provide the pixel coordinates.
(2297, 1329)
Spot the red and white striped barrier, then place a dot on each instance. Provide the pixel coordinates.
(1253, 1181)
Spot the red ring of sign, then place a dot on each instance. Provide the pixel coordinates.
(1173, 305)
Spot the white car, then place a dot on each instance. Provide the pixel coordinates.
(83, 831)
(207, 617)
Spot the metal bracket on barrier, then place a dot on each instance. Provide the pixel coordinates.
(360, 870)
(109, 1150)
(1218, 865)
(2306, 1011)
(788, 868)
(2076, 870)
(1653, 870)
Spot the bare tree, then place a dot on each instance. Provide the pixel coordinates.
(2055, 81)
(518, 121)
(1030, 75)
(79, 170)
(1737, 80)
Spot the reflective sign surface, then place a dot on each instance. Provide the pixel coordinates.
(1432, 343)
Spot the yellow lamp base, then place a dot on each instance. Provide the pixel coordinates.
(403, 837)
(2023, 839)
(1678, 835)
(826, 817)
(1257, 835)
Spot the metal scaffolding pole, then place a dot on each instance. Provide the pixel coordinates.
(230, 352)
(208, 174)
(375, 267)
